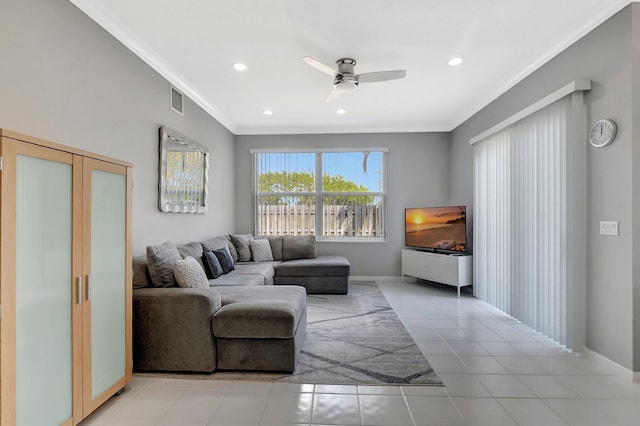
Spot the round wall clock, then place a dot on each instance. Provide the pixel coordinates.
(603, 132)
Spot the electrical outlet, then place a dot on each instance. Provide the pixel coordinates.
(608, 227)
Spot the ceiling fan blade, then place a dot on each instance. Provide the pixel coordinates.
(332, 95)
(320, 66)
(371, 77)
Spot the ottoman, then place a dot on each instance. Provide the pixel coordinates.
(260, 328)
(321, 275)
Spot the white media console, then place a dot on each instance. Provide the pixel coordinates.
(448, 269)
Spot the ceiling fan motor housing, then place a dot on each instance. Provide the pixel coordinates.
(345, 80)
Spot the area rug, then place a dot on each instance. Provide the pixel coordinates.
(351, 339)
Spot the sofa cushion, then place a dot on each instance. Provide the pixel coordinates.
(259, 312)
(318, 267)
(141, 277)
(276, 247)
(239, 280)
(192, 249)
(212, 266)
(261, 250)
(265, 269)
(241, 243)
(189, 273)
(160, 260)
(214, 243)
(299, 247)
(218, 242)
(224, 257)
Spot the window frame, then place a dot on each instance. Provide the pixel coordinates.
(319, 192)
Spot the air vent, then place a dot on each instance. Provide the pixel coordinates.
(176, 101)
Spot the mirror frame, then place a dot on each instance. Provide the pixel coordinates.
(172, 141)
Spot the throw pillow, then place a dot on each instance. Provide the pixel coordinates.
(212, 265)
(299, 247)
(232, 249)
(241, 243)
(141, 277)
(224, 257)
(160, 261)
(261, 250)
(189, 273)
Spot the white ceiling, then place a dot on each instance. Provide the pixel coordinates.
(193, 43)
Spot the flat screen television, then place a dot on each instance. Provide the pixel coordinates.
(442, 228)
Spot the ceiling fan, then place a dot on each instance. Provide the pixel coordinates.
(346, 80)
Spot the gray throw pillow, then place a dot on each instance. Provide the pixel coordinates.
(160, 261)
(141, 276)
(212, 266)
(299, 247)
(261, 250)
(241, 243)
(232, 249)
(224, 257)
(189, 274)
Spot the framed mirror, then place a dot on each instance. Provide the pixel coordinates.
(184, 171)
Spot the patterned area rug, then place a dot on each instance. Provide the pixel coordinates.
(351, 339)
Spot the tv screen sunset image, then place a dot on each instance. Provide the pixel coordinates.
(436, 227)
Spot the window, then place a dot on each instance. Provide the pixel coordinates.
(345, 188)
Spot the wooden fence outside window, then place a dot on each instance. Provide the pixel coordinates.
(361, 221)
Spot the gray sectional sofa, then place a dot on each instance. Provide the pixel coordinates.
(251, 318)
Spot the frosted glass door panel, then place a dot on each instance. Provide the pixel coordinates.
(108, 278)
(43, 291)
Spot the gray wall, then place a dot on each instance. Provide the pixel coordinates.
(635, 111)
(416, 176)
(63, 78)
(604, 57)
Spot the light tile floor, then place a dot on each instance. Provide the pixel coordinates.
(496, 371)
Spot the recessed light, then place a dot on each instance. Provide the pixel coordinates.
(455, 61)
(267, 112)
(239, 66)
(341, 111)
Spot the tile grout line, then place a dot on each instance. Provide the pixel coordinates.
(406, 403)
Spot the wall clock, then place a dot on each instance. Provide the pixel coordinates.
(603, 132)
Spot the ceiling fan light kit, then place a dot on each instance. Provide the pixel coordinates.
(346, 80)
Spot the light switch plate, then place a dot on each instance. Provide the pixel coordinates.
(608, 227)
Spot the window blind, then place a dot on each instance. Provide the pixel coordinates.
(520, 232)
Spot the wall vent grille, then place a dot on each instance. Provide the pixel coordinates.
(176, 101)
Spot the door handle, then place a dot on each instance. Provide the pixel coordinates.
(79, 289)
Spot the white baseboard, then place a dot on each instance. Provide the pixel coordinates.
(369, 278)
(613, 366)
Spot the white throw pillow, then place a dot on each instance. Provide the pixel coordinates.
(261, 250)
(189, 273)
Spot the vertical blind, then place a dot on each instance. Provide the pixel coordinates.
(520, 232)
